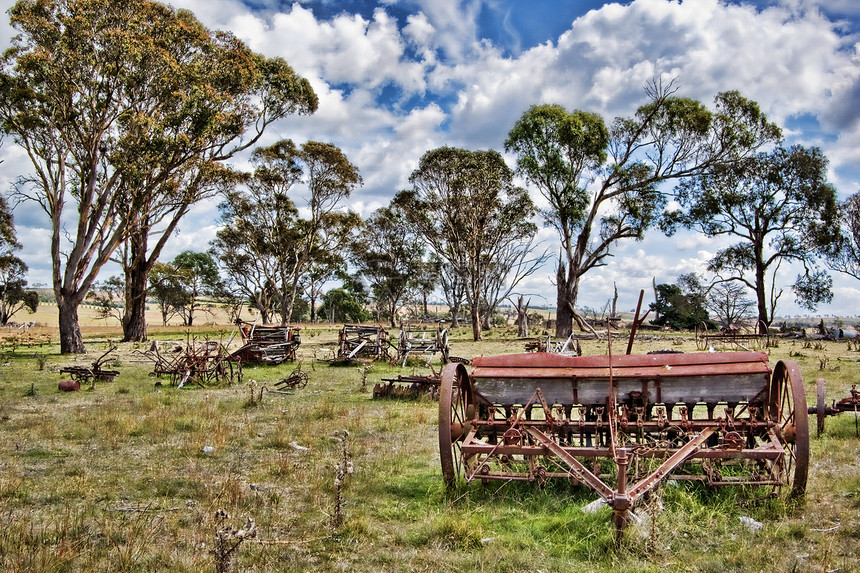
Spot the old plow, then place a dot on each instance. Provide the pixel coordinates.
(733, 337)
(83, 374)
(201, 363)
(413, 386)
(622, 425)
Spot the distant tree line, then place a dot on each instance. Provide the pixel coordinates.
(129, 113)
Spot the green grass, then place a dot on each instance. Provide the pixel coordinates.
(117, 479)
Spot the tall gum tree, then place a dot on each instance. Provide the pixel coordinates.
(389, 255)
(778, 207)
(466, 207)
(264, 245)
(846, 257)
(603, 185)
(124, 110)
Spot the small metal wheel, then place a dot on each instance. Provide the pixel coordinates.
(455, 399)
(787, 407)
(299, 378)
(701, 336)
(820, 406)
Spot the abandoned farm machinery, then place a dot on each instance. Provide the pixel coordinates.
(621, 425)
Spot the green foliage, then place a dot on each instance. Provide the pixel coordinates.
(13, 294)
(466, 207)
(389, 255)
(198, 277)
(167, 288)
(265, 247)
(779, 207)
(338, 305)
(678, 309)
(602, 184)
(126, 110)
(846, 257)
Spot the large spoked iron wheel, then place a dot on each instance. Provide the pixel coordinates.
(455, 399)
(787, 406)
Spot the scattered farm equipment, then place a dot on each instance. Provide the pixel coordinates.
(569, 347)
(733, 337)
(821, 410)
(408, 387)
(95, 373)
(718, 418)
(201, 363)
(361, 341)
(267, 344)
(428, 341)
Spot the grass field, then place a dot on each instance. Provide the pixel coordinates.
(134, 476)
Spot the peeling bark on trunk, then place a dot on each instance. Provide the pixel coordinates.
(71, 341)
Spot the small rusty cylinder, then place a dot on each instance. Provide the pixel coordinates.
(68, 386)
(458, 430)
(789, 433)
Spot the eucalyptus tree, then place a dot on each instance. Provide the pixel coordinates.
(452, 284)
(264, 243)
(166, 287)
(14, 295)
(729, 304)
(389, 255)
(516, 261)
(198, 277)
(466, 207)
(846, 259)
(124, 110)
(778, 207)
(603, 184)
(314, 279)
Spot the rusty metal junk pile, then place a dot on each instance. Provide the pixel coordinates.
(418, 340)
(719, 418)
(267, 344)
(570, 347)
(201, 363)
(92, 373)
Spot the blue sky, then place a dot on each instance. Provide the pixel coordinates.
(398, 78)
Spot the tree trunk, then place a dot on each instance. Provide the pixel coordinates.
(565, 302)
(523, 317)
(71, 341)
(136, 276)
(760, 284)
(761, 299)
(485, 321)
(313, 310)
(476, 323)
(455, 316)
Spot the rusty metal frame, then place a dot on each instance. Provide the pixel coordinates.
(267, 344)
(363, 341)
